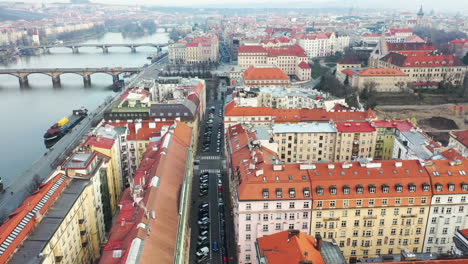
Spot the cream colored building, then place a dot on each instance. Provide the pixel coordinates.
(354, 140)
(459, 141)
(371, 209)
(305, 142)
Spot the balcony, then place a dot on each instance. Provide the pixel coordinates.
(370, 217)
(356, 142)
(83, 232)
(58, 259)
(331, 218)
(409, 215)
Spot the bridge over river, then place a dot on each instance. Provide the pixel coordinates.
(105, 47)
(55, 73)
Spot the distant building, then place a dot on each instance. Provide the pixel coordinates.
(265, 76)
(322, 44)
(194, 49)
(459, 47)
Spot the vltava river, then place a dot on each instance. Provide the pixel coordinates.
(27, 113)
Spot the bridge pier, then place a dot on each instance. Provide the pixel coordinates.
(87, 80)
(23, 81)
(75, 50)
(105, 49)
(46, 50)
(56, 81)
(115, 78)
(133, 49)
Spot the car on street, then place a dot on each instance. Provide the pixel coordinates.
(220, 183)
(204, 220)
(203, 205)
(203, 233)
(220, 189)
(215, 246)
(220, 202)
(203, 252)
(203, 227)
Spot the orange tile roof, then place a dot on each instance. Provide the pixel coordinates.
(253, 73)
(281, 248)
(168, 162)
(401, 125)
(354, 127)
(462, 136)
(353, 175)
(444, 173)
(100, 142)
(46, 195)
(433, 261)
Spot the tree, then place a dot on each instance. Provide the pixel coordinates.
(465, 59)
(400, 85)
(34, 184)
(346, 81)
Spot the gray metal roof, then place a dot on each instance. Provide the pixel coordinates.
(332, 254)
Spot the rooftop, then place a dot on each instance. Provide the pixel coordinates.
(353, 127)
(461, 136)
(274, 73)
(314, 127)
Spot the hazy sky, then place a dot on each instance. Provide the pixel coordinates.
(437, 5)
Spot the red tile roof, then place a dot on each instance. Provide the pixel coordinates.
(297, 115)
(405, 46)
(304, 65)
(401, 30)
(422, 60)
(462, 137)
(293, 50)
(252, 49)
(27, 213)
(253, 73)
(354, 127)
(100, 142)
(401, 125)
(283, 248)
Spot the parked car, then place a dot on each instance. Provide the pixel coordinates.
(203, 205)
(215, 246)
(203, 233)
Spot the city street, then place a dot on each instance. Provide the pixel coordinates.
(220, 219)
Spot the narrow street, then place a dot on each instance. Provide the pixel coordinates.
(210, 159)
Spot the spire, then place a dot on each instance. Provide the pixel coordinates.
(421, 13)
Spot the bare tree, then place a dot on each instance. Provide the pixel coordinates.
(401, 85)
(34, 184)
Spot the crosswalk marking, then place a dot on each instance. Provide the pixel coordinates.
(210, 157)
(211, 170)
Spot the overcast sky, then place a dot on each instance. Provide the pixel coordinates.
(437, 5)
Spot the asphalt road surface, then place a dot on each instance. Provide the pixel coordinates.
(220, 226)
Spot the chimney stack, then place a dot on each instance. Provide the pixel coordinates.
(293, 232)
(318, 241)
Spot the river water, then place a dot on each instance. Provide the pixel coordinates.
(27, 113)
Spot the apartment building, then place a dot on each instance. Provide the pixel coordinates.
(195, 48)
(448, 205)
(354, 140)
(235, 114)
(157, 229)
(267, 198)
(386, 133)
(414, 144)
(377, 79)
(371, 209)
(66, 219)
(305, 142)
(322, 44)
(287, 58)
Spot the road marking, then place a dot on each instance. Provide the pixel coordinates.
(210, 157)
(211, 170)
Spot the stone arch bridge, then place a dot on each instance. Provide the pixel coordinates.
(55, 73)
(105, 47)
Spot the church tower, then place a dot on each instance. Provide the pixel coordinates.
(420, 19)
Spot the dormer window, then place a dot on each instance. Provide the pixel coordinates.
(333, 189)
(385, 188)
(436, 173)
(464, 186)
(399, 187)
(292, 193)
(346, 189)
(412, 187)
(266, 194)
(359, 189)
(451, 187)
(438, 187)
(279, 193)
(319, 190)
(426, 187)
(306, 192)
(372, 188)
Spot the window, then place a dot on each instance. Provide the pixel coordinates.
(426, 187)
(248, 217)
(434, 220)
(385, 188)
(370, 212)
(397, 201)
(382, 222)
(423, 200)
(359, 202)
(318, 225)
(396, 211)
(247, 257)
(291, 205)
(306, 204)
(265, 228)
(372, 188)
(265, 205)
(346, 204)
(291, 226)
(384, 201)
(247, 227)
(305, 215)
(319, 190)
(266, 194)
(291, 216)
(304, 225)
(355, 233)
(333, 189)
(279, 193)
(332, 203)
(437, 199)
(356, 223)
(319, 203)
(319, 214)
(357, 213)
(248, 206)
(380, 233)
(278, 205)
(306, 192)
(449, 199)
(445, 230)
(278, 226)
(346, 189)
(247, 237)
(438, 187)
(411, 200)
(265, 217)
(399, 187)
(343, 223)
(359, 189)
(421, 210)
(383, 211)
(393, 231)
(412, 187)
(451, 187)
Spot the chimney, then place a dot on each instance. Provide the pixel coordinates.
(318, 241)
(293, 232)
